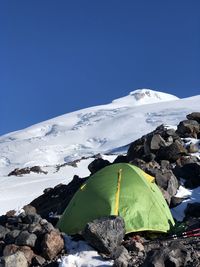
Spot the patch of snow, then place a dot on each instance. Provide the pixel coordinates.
(191, 196)
(82, 255)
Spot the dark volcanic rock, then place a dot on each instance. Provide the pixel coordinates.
(97, 165)
(190, 172)
(56, 199)
(172, 152)
(105, 234)
(121, 257)
(193, 210)
(26, 239)
(188, 128)
(3, 232)
(27, 170)
(175, 254)
(194, 116)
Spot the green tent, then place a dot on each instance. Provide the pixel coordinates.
(118, 189)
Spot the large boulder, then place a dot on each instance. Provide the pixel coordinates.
(26, 239)
(194, 116)
(172, 152)
(97, 165)
(17, 259)
(188, 128)
(190, 172)
(52, 244)
(105, 234)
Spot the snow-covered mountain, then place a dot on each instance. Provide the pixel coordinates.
(105, 129)
(92, 130)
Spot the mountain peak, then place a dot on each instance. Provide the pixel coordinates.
(144, 96)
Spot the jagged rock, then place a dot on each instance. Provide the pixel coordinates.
(3, 232)
(171, 152)
(175, 254)
(11, 236)
(193, 210)
(52, 244)
(97, 165)
(26, 239)
(29, 210)
(27, 170)
(192, 148)
(57, 199)
(105, 234)
(194, 116)
(35, 228)
(46, 226)
(186, 160)
(188, 128)
(156, 142)
(38, 260)
(12, 249)
(121, 257)
(121, 159)
(190, 172)
(15, 260)
(175, 201)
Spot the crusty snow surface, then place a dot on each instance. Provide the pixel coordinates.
(105, 129)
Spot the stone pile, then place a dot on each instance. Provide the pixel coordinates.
(28, 240)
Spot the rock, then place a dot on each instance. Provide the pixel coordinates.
(105, 234)
(12, 249)
(188, 128)
(121, 257)
(35, 228)
(192, 148)
(11, 236)
(28, 209)
(3, 232)
(175, 201)
(121, 159)
(171, 152)
(52, 244)
(31, 219)
(190, 172)
(46, 226)
(15, 260)
(58, 198)
(194, 116)
(38, 260)
(97, 165)
(193, 210)
(156, 142)
(175, 254)
(26, 239)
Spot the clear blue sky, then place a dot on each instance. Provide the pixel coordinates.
(60, 56)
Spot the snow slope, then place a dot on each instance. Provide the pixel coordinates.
(92, 130)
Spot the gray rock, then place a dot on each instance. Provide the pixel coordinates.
(156, 142)
(192, 148)
(105, 234)
(3, 232)
(188, 128)
(121, 257)
(176, 254)
(171, 152)
(26, 239)
(194, 116)
(15, 260)
(11, 236)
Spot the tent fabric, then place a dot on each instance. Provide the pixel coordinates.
(139, 201)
